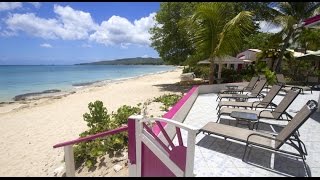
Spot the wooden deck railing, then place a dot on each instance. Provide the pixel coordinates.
(68, 147)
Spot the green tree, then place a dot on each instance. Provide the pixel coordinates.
(309, 39)
(219, 30)
(287, 15)
(258, 40)
(170, 36)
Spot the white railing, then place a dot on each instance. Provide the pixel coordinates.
(143, 136)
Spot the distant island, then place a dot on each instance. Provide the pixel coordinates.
(128, 61)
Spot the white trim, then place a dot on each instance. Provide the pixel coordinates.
(163, 157)
(138, 147)
(132, 170)
(190, 153)
(172, 122)
(69, 160)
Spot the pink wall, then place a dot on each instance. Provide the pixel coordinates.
(151, 165)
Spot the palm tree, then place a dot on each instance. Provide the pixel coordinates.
(219, 31)
(287, 14)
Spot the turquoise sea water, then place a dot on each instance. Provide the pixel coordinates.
(16, 80)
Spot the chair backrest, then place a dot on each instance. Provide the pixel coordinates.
(258, 88)
(271, 95)
(285, 103)
(280, 79)
(293, 125)
(262, 76)
(251, 84)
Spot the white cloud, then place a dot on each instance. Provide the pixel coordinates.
(46, 45)
(119, 30)
(35, 4)
(269, 27)
(6, 33)
(70, 24)
(4, 6)
(145, 56)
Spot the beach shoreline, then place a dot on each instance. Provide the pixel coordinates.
(38, 97)
(31, 128)
(26, 82)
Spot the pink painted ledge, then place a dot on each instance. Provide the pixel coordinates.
(174, 109)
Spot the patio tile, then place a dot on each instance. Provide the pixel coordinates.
(215, 156)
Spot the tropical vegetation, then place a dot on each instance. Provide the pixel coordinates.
(99, 120)
(187, 33)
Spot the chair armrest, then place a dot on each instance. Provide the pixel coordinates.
(261, 122)
(264, 136)
(255, 102)
(263, 111)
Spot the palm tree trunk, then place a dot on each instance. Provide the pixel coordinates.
(211, 72)
(277, 64)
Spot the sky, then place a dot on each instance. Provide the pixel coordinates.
(75, 32)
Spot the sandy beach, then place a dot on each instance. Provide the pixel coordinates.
(29, 129)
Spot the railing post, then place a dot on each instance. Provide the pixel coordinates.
(69, 160)
(134, 154)
(190, 153)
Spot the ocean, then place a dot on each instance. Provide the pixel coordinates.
(17, 80)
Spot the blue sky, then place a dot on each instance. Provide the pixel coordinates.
(75, 32)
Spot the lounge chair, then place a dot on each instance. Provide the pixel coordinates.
(262, 76)
(275, 114)
(312, 81)
(286, 88)
(255, 93)
(288, 135)
(247, 88)
(265, 103)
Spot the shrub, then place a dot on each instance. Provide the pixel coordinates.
(230, 75)
(199, 71)
(98, 120)
(270, 76)
(168, 100)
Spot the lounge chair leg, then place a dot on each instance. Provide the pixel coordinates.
(306, 167)
(245, 152)
(218, 118)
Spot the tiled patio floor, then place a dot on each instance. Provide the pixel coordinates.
(215, 156)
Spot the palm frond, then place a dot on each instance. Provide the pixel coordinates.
(233, 33)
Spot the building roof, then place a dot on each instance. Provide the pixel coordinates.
(223, 60)
(309, 55)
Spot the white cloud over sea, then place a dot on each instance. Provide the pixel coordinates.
(71, 24)
(119, 30)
